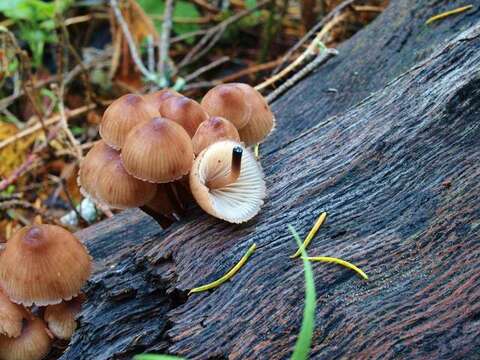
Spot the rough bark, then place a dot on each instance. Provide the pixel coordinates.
(397, 171)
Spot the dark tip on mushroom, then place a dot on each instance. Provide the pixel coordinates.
(34, 237)
(223, 181)
(237, 153)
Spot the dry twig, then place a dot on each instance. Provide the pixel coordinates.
(150, 76)
(339, 8)
(165, 43)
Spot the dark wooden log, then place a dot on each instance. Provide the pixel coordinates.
(398, 173)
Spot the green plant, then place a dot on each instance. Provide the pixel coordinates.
(183, 9)
(304, 341)
(35, 20)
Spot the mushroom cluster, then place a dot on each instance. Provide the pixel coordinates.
(42, 270)
(160, 150)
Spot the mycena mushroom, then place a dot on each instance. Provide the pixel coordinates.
(43, 265)
(227, 182)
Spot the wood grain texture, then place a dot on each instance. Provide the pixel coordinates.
(398, 174)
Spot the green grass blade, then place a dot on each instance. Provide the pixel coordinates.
(304, 341)
(156, 357)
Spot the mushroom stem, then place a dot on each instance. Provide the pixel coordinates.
(174, 200)
(234, 173)
(162, 220)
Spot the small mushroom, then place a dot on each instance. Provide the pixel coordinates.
(184, 111)
(118, 189)
(156, 98)
(158, 151)
(34, 342)
(261, 122)
(121, 116)
(11, 317)
(227, 182)
(212, 130)
(61, 318)
(94, 162)
(230, 102)
(103, 178)
(43, 265)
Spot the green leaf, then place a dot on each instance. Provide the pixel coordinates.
(30, 10)
(304, 341)
(156, 357)
(183, 9)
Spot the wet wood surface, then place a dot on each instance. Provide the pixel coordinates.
(395, 163)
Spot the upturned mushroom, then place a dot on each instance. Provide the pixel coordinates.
(61, 318)
(43, 265)
(184, 111)
(122, 115)
(212, 130)
(158, 151)
(33, 343)
(11, 317)
(230, 102)
(227, 182)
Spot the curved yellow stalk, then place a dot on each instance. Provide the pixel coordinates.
(341, 262)
(311, 234)
(228, 275)
(448, 13)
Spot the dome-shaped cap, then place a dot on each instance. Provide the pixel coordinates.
(43, 265)
(227, 182)
(61, 318)
(230, 102)
(158, 151)
(96, 159)
(11, 317)
(261, 122)
(156, 98)
(33, 343)
(121, 116)
(184, 111)
(118, 189)
(212, 130)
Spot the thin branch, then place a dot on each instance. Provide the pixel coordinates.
(250, 70)
(213, 36)
(339, 8)
(7, 101)
(165, 41)
(150, 76)
(206, 68)
(54, 119)
(64, 123)
(311, 50)
(28, 163)
(321, 58)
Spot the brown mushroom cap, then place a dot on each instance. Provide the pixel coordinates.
(11, 317)
(33, 343)
(262, 120)
(156, 98)
(236, 202)
(184, 111)
(228, 101)
(212, 130)
(121, 116)
(95, 160)
(118, 189)
(158, 151)
(43, 265)
(61, 318)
